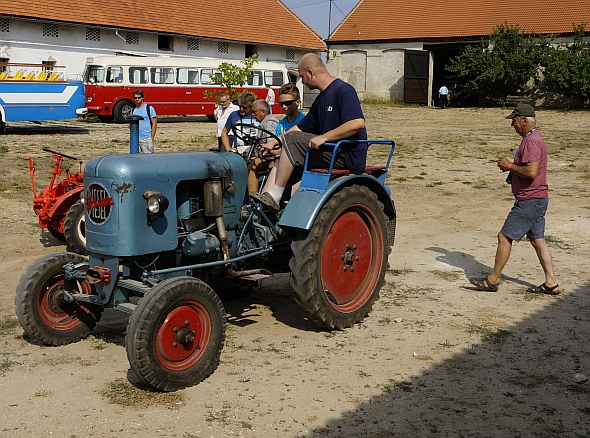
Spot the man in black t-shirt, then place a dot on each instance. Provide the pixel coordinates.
(335, 115)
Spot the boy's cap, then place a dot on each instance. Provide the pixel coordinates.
(522, 110)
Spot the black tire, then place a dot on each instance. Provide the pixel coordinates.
(41, 309)
(105, 119)
(121, 110)
(59, 236)
(349, 232)
(75, 228)
(157, 346)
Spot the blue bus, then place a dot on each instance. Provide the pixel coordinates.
(36, 92)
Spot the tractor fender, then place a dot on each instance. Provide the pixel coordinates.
(64, 202)
(304, 206)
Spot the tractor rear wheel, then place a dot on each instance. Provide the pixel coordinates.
(41, 308)
(75, 228)
(176, 334)
(338, 267)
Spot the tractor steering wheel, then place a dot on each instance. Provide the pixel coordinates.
(254, 136)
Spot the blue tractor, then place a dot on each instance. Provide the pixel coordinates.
(162, 228)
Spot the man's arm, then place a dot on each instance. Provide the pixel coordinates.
(225, 140)
(528, 170)
(343, 131)
(154, 127)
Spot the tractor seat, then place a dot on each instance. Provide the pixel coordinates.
(368, 170)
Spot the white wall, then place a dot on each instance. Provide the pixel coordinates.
(24, 42)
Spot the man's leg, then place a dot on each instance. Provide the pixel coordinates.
(544, 256)
(502, 255)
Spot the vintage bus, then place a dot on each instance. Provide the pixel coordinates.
(173, 86)
(38, 92)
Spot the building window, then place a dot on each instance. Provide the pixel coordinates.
(92, 34)
(290, 54)
(222, 47)
(165, 42)
(192, 44)
(50, 30)
(4, 25)
(131, 37)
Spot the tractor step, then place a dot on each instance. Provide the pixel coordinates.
(255, 277)
(125, 307)
(134, 285)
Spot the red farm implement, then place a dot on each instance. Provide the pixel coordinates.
(58, 205)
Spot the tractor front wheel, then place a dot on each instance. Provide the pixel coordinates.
(176, 334)
(75, 228)
(42, 309)
(338, 267)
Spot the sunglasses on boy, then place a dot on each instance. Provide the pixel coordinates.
(287, 102)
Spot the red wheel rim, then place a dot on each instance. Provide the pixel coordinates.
(352, 255)
(172, 348)
(56, 313)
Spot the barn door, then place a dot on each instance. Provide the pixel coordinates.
(416, 77)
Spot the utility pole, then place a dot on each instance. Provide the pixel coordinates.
(330, 18)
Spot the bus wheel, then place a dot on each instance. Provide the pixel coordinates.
(121, 110)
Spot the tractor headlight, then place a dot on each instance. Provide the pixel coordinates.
(157, 204)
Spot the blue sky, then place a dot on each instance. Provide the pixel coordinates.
(315, 12)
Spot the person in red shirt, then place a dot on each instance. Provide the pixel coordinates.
(528, 177)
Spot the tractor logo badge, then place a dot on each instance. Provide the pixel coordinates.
(98, 203)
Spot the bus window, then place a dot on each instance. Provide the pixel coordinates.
(94, 74)
(114, 74)
(187, 75)
(255, 79)
(161, 75)
(273, 78)
(138, 75)
(206, 75)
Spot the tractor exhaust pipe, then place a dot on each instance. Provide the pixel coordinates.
(213, 200)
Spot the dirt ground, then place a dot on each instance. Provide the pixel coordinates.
(434, 358)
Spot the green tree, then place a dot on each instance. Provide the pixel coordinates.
(500, 65)
(232, 77)
(566, 66)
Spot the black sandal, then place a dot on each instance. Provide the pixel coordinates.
(485, 285)
(544, 289)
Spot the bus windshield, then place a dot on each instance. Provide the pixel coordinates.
(93, 74)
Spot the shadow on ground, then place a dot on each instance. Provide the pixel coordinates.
(522, 381)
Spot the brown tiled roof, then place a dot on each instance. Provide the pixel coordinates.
(233, 20)
(374, 20)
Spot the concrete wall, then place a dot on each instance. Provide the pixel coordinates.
(24, 42)
(375, 70)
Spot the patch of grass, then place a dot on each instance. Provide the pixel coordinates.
(6, 364)
(434, 184)
(480, 184)
(556, 242)
(7, 325)
(400, 179)
(398, 272)
(218, 416)
(497, 336)
(121, 392)
(387, 103)
(393, 385)
(42, 393)
(447, 344)
(3, 149)
(447, 275)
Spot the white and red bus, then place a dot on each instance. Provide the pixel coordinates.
(173, 86)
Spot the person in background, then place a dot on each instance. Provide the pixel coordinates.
(527, 217)
(270, 97)
(147, 126)
(443, 96)
(222, 112)
(261, 112)
(244, 115)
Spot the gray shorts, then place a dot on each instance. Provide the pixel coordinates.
(146, 146)
(526, 218)
(296, 144)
